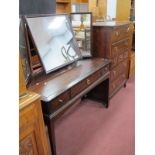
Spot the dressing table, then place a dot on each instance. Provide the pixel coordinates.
(59, 92)
(61, 86)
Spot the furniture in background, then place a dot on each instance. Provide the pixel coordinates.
(82, 28)
(132, 50)
(111, 40)
(32, 135)
(63, 6)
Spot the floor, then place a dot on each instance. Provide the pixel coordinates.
(90, 129)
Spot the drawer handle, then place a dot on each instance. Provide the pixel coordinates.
(126, 43)
(88, 82)
(60, 100)
(117, 33)
(128, 29)
(106, 69)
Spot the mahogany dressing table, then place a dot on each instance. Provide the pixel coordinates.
(61, 89)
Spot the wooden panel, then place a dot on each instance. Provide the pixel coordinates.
(123, 10)
(63, 6)
(32, 137)
(22, 86)
(132, 65)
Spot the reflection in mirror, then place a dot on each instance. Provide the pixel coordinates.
(82, 23)
(23, 52)
(54, 39)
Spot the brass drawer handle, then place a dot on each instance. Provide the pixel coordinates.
(60, 100)
(88, 82)
(117, 33)
(126, 43)
(128, 29)
(106, 68)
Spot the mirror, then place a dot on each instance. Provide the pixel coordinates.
(82, 27)
(23, 52)
(54, 40)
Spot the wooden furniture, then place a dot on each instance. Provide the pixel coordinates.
(33, 139)
(63, 88)
(22, 86)
(111, 40)
(63, 6)
(132, 65)
(132, 50)
(98, 8)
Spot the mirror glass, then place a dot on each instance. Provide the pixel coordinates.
(54, 40)
(82, 23)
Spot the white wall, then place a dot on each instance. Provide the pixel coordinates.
(111, 8)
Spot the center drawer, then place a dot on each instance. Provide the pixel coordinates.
(88, 81)
(119, 33)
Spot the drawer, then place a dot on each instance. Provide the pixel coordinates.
(113, 62)
(88, 81)
(58, 102)
(119, 48)
(126, 54)
(117, 83)
(104, 70)
(120, 57)
(123, 66)
(112, 88)
(114, 74)
(78, 88)
(120, 33)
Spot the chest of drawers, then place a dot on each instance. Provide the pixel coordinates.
(111, 40)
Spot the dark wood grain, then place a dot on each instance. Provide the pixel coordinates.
(51, 86)
(112, 42)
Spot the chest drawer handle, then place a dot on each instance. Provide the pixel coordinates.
(126, 43)
(128, 29)
(117, 33)
(88, 82)
(60, 101)
(106, 69)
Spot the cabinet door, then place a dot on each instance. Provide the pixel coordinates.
(28, 144)
(33, 140)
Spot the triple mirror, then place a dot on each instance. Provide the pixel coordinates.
(54, 40)
(82, 27)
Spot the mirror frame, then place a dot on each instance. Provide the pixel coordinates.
(91, 26)
(69, 22)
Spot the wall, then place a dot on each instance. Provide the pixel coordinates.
(123, 10)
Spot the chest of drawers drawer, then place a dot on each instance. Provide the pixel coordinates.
(114, 74)
(119, 33)
(119, 48)
(113, 62)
